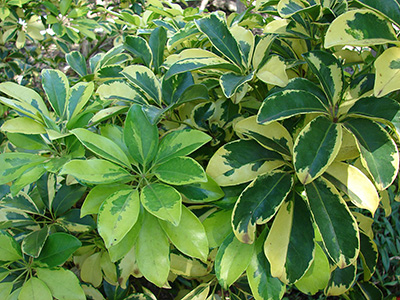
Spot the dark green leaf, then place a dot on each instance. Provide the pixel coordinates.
(77, 62)
(138, 46)
(56, 86)
(66, 197)
(157, 41)
(232, 82)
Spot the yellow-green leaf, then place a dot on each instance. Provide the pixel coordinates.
(273, 71)
(387, 76)
(35, 289)
(23, 125)
(91, 270)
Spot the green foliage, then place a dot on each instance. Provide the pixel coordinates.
(245, 155)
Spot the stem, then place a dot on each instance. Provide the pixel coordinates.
(97, 46)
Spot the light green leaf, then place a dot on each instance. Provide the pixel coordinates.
(14, 164)
(287, 8)
(180, 170)
(63, 284)
(359, 27)
(95, 171)
(77, 62)
(341, 280)
(55, 84)
(91, 270)
(80, 94)
(188, 236)
(25, 95)
(232, 260)
(58, 248)
(5, 289)
(241, 161)
(102, 146)
(259, 202)
(285, 104)
(144, 78)
(117, 215)
(180, 143)
(273, 71)
(317, 276)
(232, 82)
(181, 36)
(122, 91)
(140, 135)
(215, 28)
(272, 136)
(33, 243)
(35, 289)
(387, 75)
(335, 222)
(97, 196)
(261, 51)
(315, 148)
(290, 238)
(262, 284)
(139, 47)
(163, 201)
(202, 191)
(218, 227)
(152, 251)
(23, 125)
(199, 293)
(379, 153)
(329, 72)
(355, 184)
(29, 176)
(9, 248)
(185, 266)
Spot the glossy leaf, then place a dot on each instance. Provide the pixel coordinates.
(315, 148)
(58, 248)
(215, 28)
(180, 170)
(341, 280)
(62, 283)
(272, 136)
(390, 8)
(157, 41)
(188, 236)
(232, 82)
(74, 223)
(335, 222)
(190, 267)
(23, 125)
(66, 197)
(139, 47)
(152, 251)
(355, 184)
(77, 62)
(120, 90)
(9, 248)
(360, 27)
(35, 289)
(368, 254)
(29, 176)
(329, 72)
(379, 153)
(20, 202)
(55, 84)
(145, 79)
(95, 171)
(387, 67)
(262, 284)
(218, 227)
(201, 192)
(163, 201)
(241, 161)
(33, 243)
(140, 135)
(259, 202)
(199, 293)
(273, 71)
(79, 95)
(117, 215)
(290, 245)
(102, 146)
(232, 260)
(285, 104)
(180, 143)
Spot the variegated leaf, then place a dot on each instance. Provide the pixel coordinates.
(139, 47)
(272, 136)
(95, 171)
(273, 71)
(317, 276)
(55, 84)
(215, 28)
(261, 51)
(359, 27)
(355, 184)
(290, 237)
(140, 135)
(390, 8)
(335, 222)
(379, 153)
(80, 94)
(181, 36)
(262, 284)
(315, 148)
(188, 236)
(369, 255)
(27, 177)
(201, 192)
(246, 40)
(233, 258)
(22, 107)
(77, 62)
(180, 170)
(241, 161)
(152, 251)
(122, 91)
(9, 248)
(329, 72)
(189, 267)
(157, 43)
(259, 202)
(144, 78)
(14, 164)
(199, 293)
(387, 76)
(341, 280)
(180, 143)
(285, 104)
(232, 82)
(23, 125)
(102, 146)
(287, 8)
(163, 201)
(117, 215)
